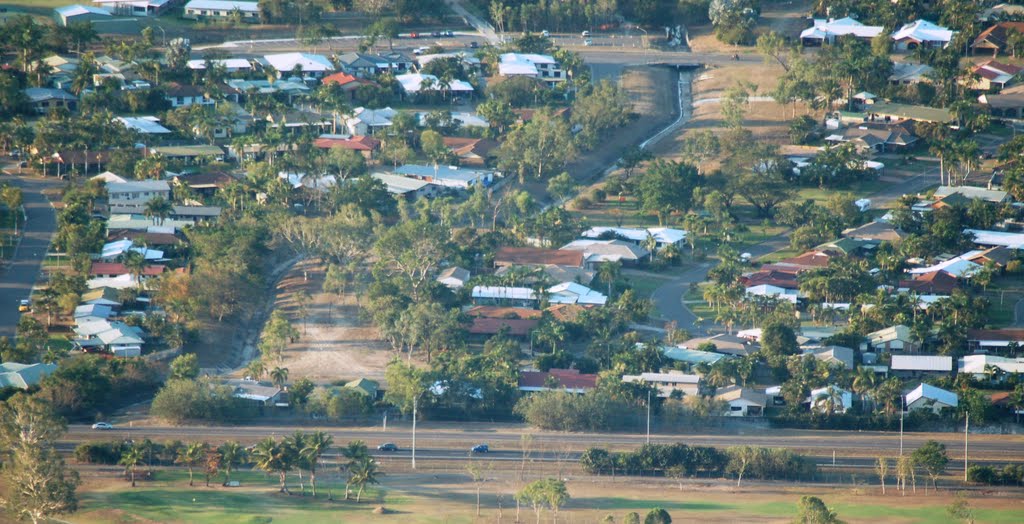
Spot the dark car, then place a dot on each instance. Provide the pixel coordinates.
(473, 45)
(447, 33)
(480, 448)
(387, 446)
(436, 34)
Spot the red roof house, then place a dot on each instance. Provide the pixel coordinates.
(571, 380)
(532, 256)
(934, 283)
(517, 327)
(114, 269)
(363, 144)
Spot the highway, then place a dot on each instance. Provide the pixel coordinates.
(451, 442)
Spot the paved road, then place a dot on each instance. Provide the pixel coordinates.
(16, 281)
(448, 441)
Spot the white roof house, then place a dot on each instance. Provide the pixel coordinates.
(573, 293)
(922, 363)
(828, 30)
(230, 64)
(997, 238)
(994, 196)
(147, 125)
(454, 277)
(930, 397)
(663, 236)
(401, 185)
(527, 64)
(960, 267)
(125, 281)
(668, 382)
(120, 247)
(768, 290)
(922, 32)
(365, 121)
(310, 64)
(977, 365)
(598, 251)
(909, 73)
(228, 6)
(819, 398)
(414, 83)
(447, 176)
(503, 292)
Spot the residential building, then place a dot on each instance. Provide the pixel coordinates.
(997, 238)
(137, 7)
(875, 139)
(691, 356)
(191, 154)
(791, 295)
(995, 340)
(102, 297)
(113, 337)
(477, 152)
(876, 230)
(998, 256)
(137, 193)
(597, 252)
(369, 121)
(933, 283)
(541, 67)
(310, 65)
(504, 296)
(454, 277)
(23, 376)
(552, 273)
(409, 188)
(894, 338)
(661, 236)
(363, 65)
(725, 344)
(184, 95)
(1008, 103)
(348, 84)
(832, 355)
(921, 33)
(231, 65)
(909, 73)
(1001, 12)
(994, 76)
(573, 293)
(44, 99)
(114, 250)
(668, 383)
(448, 176)
(370, 388)
(930, 398)
(222, 10)
(71, 14)
(417, 83)
(826, 31)
(914, 366)
(959, 266)
(364, 145)
(820, 398)
(144, 125)
(990, 367)
(532, 256)
(258, 393)
(116, 269)
(992, 196)
(743, 402)
(92, 313)
(513, 327)
(995, 38)
(569, 380)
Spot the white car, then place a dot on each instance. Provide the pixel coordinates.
(420, 50)
(102, 425)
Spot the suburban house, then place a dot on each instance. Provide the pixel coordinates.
(137, 7)
(92, 313)
(832, 355)
(573, 293)
(408, 188)
(915, 366)
(347, 83)
(869, 138)
(364, 145)
(894, 338)
(931, 398)
(691, 356)
(990, 367)
(116, 249)
(363, 65)
(994, 76)
(231, 65)
(541, 67)
(995, 340)
(958, 266)
(448, 176)
(104, 296)
(820, 398)
(144, 125)
(909, 73)
(725, 344)
(23, 376)
(43, 99)
(743, 402)
(876, 230)
(369, 121)
(454, 277)
(137, 193)
(258, 393)
(113, 337)
(311, 66)
(932, 283)
(662, 236)
(116, 269)
(669, 382)
(997, 238)
(1008, 103)
(996, 37)
(504, 296)
(370, 388)
(533, 256)
(472, 151)
(222, 10)
(921, 33)
(417, 83)
(992, 196)
(998, 256)
(184, 95)
(569, 380)
(826, 31)
(513, 327)
(596, 252)
(71, 14)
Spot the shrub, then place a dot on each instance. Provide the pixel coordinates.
(563, 411)
(99, 452)
(186, 400)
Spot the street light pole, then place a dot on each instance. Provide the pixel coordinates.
(967, 426)
(415, 400)
(648, 416)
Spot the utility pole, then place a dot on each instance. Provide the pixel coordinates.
(648, 416)
(414, 401)
(901, 430)
(967, 426)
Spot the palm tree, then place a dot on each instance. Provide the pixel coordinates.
(131, 459)
(159, 208)
(355, 452)
(256, 369)
(135, 263)
(316, 444)
(190, 456)
(273, 457)
(608, 272)
(231, 454)
(362, 473)
(865, 382)
(279, 376)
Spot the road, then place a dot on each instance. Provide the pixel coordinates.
(451, 442)
(17, 280)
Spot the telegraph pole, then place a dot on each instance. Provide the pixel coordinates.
(648, 416)
(414, 401)
(967, 426)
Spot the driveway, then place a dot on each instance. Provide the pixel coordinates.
(16, 281)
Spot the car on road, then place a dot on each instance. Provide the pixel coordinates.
(585, 34)
(588, 42)
(473, 45)
(436, 34)
(414, 35)
(387, 446)
(449, 34)
(420, 50)
(24, 306)
(103, 425)
(545, 33)
(480, 448)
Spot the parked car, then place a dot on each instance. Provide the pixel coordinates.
(102, 425)
(387, 446)
(480, 448)
(473, 45)
(24, 306)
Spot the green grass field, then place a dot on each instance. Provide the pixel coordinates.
(427, 499)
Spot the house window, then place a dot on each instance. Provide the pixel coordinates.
(735, 408)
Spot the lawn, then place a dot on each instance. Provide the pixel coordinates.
(429, 498)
